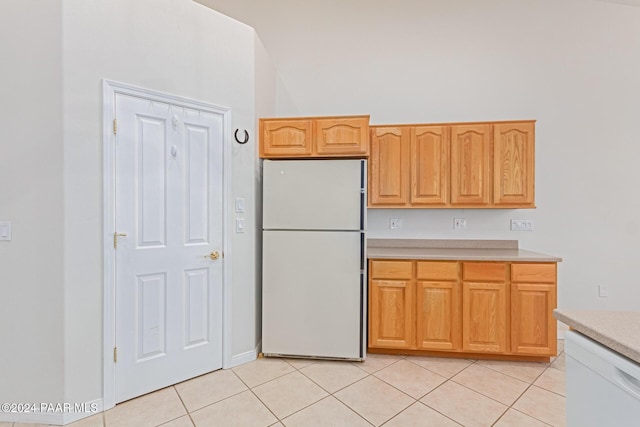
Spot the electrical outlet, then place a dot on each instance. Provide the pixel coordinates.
(5, 231)
(521, 225)
(459, 223)
(603, 291)
(395, 223)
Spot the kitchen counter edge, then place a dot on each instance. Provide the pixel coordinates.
(617, 330)
(458, 254)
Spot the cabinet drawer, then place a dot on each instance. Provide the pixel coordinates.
(533, 273)
(437, 270)
(390, 269)
(481, 271)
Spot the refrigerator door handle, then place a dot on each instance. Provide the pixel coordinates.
(363, 193)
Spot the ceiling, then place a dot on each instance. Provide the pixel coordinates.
(254, 12)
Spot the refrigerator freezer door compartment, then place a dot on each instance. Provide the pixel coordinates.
(311, 294)
(312, 194)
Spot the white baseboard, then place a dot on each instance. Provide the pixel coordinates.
(54, 414)
(246, 357)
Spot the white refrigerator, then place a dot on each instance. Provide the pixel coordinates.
(313, 258)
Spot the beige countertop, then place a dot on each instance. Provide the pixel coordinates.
(618, 330)
(463, 250)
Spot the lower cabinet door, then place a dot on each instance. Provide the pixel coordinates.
(533, 327)
(391, 322)
(438, 316)
(484, 318)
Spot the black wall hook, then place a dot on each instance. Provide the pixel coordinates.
(246, 137)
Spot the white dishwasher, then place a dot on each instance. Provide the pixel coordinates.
(603, 386)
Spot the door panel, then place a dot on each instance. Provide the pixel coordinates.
(151, 182)
(169, 204)
(196, 290)
(197, 184)
(151, 324)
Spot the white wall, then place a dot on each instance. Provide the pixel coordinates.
(31, 197)
(55, 56)
(178, 47)
(266, 95)
(570, 64)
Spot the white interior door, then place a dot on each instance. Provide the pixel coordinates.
(168, 198)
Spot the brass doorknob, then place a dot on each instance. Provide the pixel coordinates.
(214, 255)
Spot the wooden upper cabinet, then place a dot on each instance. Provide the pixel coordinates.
(389, 166)
(346, 136)
(457, 165)
(470, 164)
(285, 138)
(513, 164)
(429, 165)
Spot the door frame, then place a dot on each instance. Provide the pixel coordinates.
(110, 89)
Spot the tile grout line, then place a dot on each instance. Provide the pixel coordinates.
(257, 397)
(329, 394)
(209, 404)
(447, 379)
(184, 406)
(369, 374)
(531, 384)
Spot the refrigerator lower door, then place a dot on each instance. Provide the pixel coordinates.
(312, 304)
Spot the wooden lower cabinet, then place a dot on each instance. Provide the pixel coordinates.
(493, 308)
(439, 300)
(485, 312)
(391, 305)
(484, 318)
(438, 316)
(533, 298)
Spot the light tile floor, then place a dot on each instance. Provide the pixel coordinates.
(391, 391)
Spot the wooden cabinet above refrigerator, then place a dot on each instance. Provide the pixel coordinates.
(314, 137)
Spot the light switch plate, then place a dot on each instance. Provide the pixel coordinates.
(239, 204)
(5, 231)
(239, 225)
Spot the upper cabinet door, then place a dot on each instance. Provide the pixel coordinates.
(286, 138)
(430, 165)
(513, 164)
(342, 136)
(389, 166)
(470, 164)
